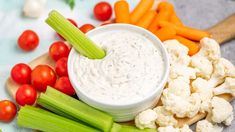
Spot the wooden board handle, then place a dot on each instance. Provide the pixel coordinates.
(224, 30)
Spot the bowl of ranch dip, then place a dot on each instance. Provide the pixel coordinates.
(129, 79)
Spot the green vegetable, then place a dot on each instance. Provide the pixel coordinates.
(39, 119)
(77, 39)
(69, 107)
(71, 3)
(124, 128)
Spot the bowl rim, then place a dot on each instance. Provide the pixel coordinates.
(159, 87)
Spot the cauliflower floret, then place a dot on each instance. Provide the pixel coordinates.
(206, 126)
(203, 66)
(185, 128)
(180, 106)
(195, 104)
(221, 111)
(222, 69)
(179, 87)
(182, 71)
(178, 52)
(201, 87)
(168, 129)
(227, 87)
(164, 117)
(146, 119)
(209, 49)
(33, 8)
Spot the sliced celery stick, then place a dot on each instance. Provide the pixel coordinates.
(39, 119)
(74, 36)
(116, 127)
(124, 128)
(53, 99)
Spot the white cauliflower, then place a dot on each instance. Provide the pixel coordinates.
(168, 129)
(180, 106)
(209, 49)
(178, 53)
(206, 126)
(227, 87)
(185, 128)
(222, 69)
(146, 119)
(179, 87)
(33, 8)
(221, 111)
(164, 117)
(205, 92)
(177, 70)
(203, 66)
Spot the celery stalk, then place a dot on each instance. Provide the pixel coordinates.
(62, 103)
(39, 119)
(74, 36)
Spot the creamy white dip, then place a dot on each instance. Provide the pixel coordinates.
(131, 69)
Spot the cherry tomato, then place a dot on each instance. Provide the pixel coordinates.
(28, 40)
(7, 111)
(58, 50)
(43, 76)
(63, 84)
(61, 67)
(21, 73)
(73, 22)
(26, 95)
(102, 11)
(86, 27)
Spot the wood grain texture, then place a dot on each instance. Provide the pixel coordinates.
(221, 32)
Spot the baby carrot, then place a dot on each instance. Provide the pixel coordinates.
(146, 19)
(140, 10)
(165, 33)
(187, 32)
(192, 46)
(175, 19)
(163, 15)
(121, 9)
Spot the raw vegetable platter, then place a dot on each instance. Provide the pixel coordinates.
(47, 39)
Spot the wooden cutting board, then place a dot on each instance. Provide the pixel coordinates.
(221, 32)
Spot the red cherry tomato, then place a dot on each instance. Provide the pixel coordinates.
(86, 27)
(102, 11)
(73, 22)
(21, 73)
(61, 67)
(43, 76)
(63, 84)
(26, 95)
(7, 111)
(28, 40)
(58, 50)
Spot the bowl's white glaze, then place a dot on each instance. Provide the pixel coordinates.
(125, 112)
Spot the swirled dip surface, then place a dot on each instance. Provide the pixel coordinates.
(131, 70)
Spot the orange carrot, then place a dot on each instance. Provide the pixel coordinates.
(121, 9)
(146, 19)
(187, 32)
(140, 10)
(164, 5)
(175, 19)
(163, 15)
(192, 46)
(165, 33)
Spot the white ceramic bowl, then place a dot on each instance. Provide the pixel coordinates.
(125, 112)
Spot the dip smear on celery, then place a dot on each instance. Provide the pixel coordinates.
(131, 69)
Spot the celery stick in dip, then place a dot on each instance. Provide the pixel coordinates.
(131, 70)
